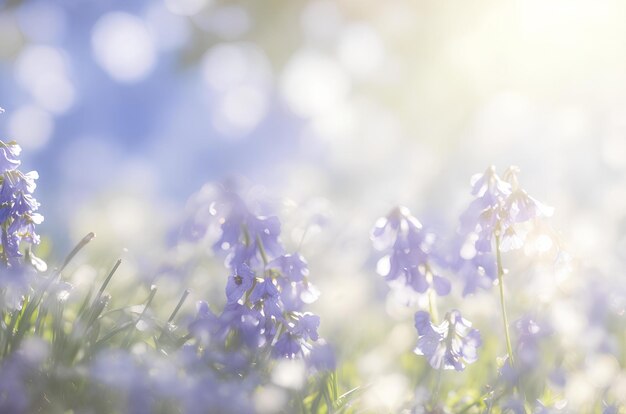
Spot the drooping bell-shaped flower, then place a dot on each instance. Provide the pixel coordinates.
(450, 345)
(407, 249)
(500, 211)
(499, 208)
(18, 207)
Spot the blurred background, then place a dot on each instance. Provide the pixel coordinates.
(340, 108)
(369, 102)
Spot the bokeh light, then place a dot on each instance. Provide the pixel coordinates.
(328, 114)
(123, 47)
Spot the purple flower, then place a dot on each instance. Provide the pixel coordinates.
(488, 187)
(306, 326)
(9, 154)
(477, 270)
(521, 207)
(266, 291)
(292, 266)
(265, 230)
(449, 345)
(267, 296)
(15, 284)
(420, 281)
(239, 282)
(248, 324)
(407, 252)
(290, 346)
(294, 341)
(245, 237)
(500, 206)
(18, 216)
(205, 325)
(295, 296)
(322, 357)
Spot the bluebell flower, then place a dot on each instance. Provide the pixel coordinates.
(306, 326)
(296, 295)
(420, 280)
(519, 205)
(291, 271)
(294, 342)
(258, 241)
(9, 154)
(265, 295)
(483, 214)
(407, 249)
(248, 324)
(479, 272)
(267, 290)
(322, 357)
(289, 346)
(16, 282)
(18, 207)
(239, 282)
(206, 324)
(449, 345)
(499, 207)
(292, 266)
(245, 237)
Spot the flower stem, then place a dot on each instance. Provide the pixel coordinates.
(509, 349)
(435, 395)
(432, 308)
(259, 244)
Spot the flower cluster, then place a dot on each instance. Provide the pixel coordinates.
(18, 216)
(409, 259)
(267, 289)
(449, 345)
(499, 209)
(502, 211)
(407, 248)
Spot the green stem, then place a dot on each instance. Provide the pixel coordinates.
(130, 333)
(166, 326)
(437, 388)
(89, 237)
(432, 309)
(509, 349)
(259, 244)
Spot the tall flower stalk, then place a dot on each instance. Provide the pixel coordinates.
(267, 290)
(409, 264)
(505, 319)
(496, 222)
(18, 207)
